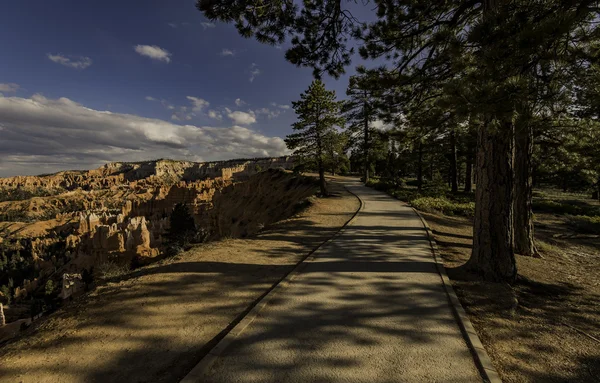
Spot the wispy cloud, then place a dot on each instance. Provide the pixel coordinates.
(154, 52)
(254, 72)
(77, 62)
(150, 98)
(280, 106)
(177, 25)
(198, 103)
(227, 52)
(207, 25)
(240, 102)
(46, 135)
(270, 114)
(9, 88)
(215, 115)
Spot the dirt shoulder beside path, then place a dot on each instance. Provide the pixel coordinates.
(155, 324)
(535, 330)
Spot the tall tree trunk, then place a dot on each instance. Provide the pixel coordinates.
(420, 167)
(493, 231)
(322, 183)
(366, 143)
(469, 172)
(524, 242)
(453, 162)
(493, 256)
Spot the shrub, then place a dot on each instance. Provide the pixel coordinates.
(49, 289)
(111, 269)
(181, 223)
(443, 205)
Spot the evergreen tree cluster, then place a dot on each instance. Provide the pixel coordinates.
(497, 93)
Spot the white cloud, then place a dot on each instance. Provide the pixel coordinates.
(227, 52)
(215, 115)
(173, 25)
(242, 118)
(240, 102)
(207, 25)
(154, 52)
(198, 103)
(42, 135)
(150, 98)
(286, 107)
(254, 72)
(9, 88)
(77, 62)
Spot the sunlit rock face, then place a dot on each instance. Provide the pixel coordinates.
(70, 221)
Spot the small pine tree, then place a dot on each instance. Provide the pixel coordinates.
(318, 114)
(49, 289)
(360, 111)
(181, 222)
(13, 265)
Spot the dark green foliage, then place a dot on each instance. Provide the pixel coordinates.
(181, 223)
(360, 111)
(315, 139)
(433, 199)
(320, 29)
(49, 287)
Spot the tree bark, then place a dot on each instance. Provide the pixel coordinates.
(322, 183)
(469, 173)
(453, 162)
(493, 256)
(420, 167)
(524, 241)
(366, 143)
(493, 231)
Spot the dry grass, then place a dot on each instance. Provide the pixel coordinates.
(157, 322)
(535, 330)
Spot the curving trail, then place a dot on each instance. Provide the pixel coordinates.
(369, 307)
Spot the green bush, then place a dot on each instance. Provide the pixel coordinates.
(443, 205)
(405, 195)
(431, 199)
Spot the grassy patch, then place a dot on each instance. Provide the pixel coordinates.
(585, 224)
(444, 206)
(110, 270)
(432, 198)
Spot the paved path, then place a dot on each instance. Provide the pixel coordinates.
(369, 308)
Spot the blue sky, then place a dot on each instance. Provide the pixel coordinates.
(159, 67)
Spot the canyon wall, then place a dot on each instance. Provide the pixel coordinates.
(120, 212)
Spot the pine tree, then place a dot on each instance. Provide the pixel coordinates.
(181, 222)
(480, 51)
(318, 114)
(50, 287)
(3, 261)
(360, 112)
